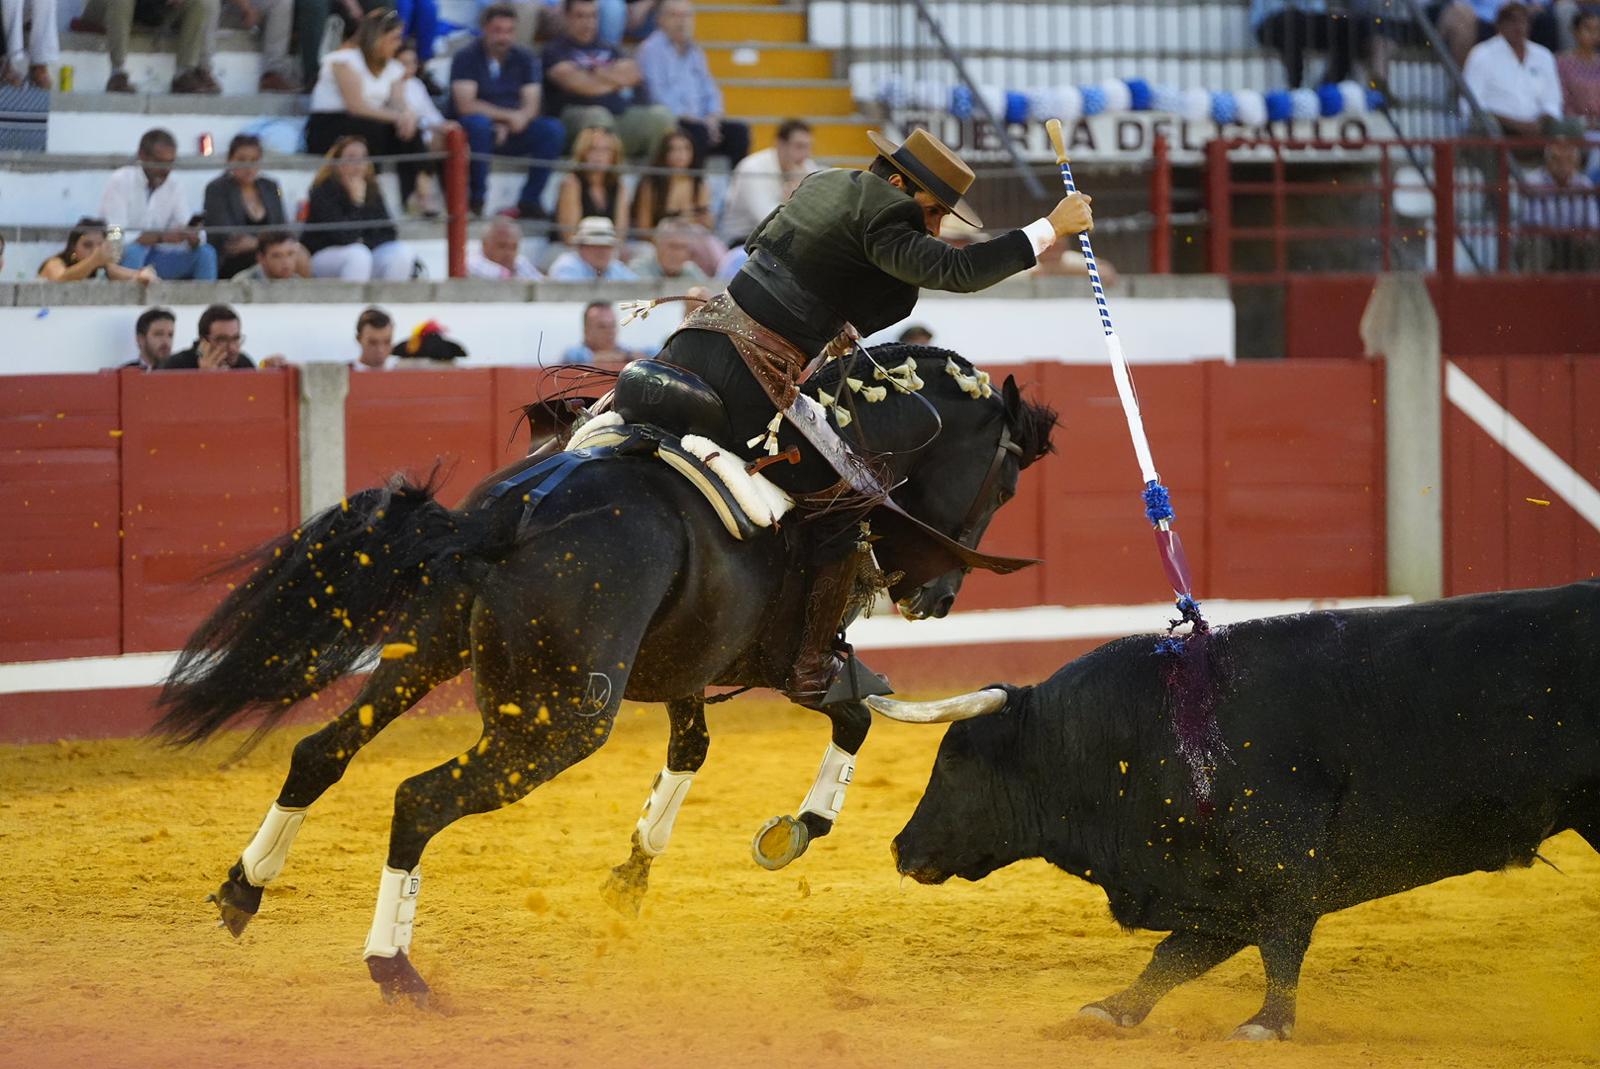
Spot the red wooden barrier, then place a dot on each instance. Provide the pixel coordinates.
(209, 471)
(1497, 534)
(60, 566)
(406, 421)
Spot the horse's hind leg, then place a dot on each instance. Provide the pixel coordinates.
(321, 758)
(547, 703)
(686, 752)
(782, 839)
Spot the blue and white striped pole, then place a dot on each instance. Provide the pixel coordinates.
(1157, 500)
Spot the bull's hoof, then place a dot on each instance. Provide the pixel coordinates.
(624, 889)
(237, 900)
(780, 841)
(1100, 1011)
(1256, 1032)
(397, 978)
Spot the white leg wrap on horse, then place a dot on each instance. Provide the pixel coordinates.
(660, 810)
(263, 859)
(397, 908)
(826, 796)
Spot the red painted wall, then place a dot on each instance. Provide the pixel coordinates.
(1273, 470)
(1495, 537)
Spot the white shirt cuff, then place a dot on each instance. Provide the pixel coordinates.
(1042, 234)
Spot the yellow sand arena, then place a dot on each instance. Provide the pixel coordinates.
(109, 956)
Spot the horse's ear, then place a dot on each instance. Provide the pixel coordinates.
(1012, 397)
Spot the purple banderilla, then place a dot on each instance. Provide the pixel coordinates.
(1194, 686)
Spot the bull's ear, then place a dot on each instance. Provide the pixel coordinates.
(1012, 397)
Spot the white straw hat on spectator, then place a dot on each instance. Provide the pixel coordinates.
(595, 230)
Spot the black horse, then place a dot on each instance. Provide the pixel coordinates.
(621, 583)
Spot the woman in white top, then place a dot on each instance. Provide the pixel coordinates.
(360, 92)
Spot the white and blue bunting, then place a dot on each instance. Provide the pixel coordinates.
(1071, 102)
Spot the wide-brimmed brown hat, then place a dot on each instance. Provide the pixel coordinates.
(929, 163)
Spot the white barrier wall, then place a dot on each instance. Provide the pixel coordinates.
(1155, 329)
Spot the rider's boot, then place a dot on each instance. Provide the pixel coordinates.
(825, 669)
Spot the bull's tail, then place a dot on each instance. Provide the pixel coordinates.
(320, 598)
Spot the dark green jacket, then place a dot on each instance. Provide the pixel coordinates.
(859, 245)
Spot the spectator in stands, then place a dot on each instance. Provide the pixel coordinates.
(275, 19)
(1291, 27)
(427, 198)
(677, 75)
(154, 215)
(1558, 202)
(375, 335)
(88, 255)
(196, 20)
(241, 197)
(361, 242)
(360, 92)
(496, 88)
(588, 83)
(916, 334)
(599, 345)
(763, 180)
(29, 55)
(1466, 23)
(593, 187)
(675, 188)
(595, 257)
(1579, 70)
(625, 20)
(420, 19)
(220, 345)
(1515, 79)
(278, 256)
(152, 334)
(671, 256)
(498, 254)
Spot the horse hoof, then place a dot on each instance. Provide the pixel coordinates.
(1251, 1032)
(624, 890)
(237, 900)
(1097, 1011)
(780, 841)
(397, 978)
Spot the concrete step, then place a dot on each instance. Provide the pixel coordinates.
(807, 96)
(837, 139)
(768, 60)
(748, 23)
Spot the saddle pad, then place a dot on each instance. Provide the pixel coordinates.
(762, 500)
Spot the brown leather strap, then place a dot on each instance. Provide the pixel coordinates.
(774, 360)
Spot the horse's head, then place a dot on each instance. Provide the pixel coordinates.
(960, 479)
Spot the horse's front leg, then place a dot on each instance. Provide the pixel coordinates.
(686, 752)
(782, 839)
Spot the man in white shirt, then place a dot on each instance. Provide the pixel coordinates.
(1514, 79)
(153, 212)
(1559, 214)
(763, 180)
(595, 257)
(498, 254)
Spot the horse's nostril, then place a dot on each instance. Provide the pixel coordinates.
(942, 608)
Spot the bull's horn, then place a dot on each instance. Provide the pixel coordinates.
(944, 711)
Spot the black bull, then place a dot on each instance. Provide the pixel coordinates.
(1371, 751)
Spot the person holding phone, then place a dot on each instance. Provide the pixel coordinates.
(89, 255)
(153, 212)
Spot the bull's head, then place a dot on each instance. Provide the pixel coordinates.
(968, 823)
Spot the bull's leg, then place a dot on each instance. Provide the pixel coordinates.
(1281, 954)
(320, 759)
(1179, 958)
(686, 752)
(782, 839)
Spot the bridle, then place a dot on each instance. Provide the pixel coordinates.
(975, 511)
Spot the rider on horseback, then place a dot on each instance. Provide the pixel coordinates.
(844, 257)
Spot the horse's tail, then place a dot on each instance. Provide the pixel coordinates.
(319, 599)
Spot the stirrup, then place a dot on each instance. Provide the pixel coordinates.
(856, 681)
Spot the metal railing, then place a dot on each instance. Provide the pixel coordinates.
(1473, 210)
